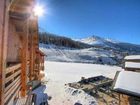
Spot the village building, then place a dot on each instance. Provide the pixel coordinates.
(132, 63)
(21, 61)
(127, 82)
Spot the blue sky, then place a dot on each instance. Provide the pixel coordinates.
(115, 19)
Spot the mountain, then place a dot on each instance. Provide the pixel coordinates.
(96, 40)
(93, 49)
(110, 44)
(49, 38)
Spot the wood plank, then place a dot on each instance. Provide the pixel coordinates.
(11, 90)
(29, 100)
(132, 69)
(9, 98)
(11, 69)
(14, 82)
(133, 60)
(15, 94)
(12, 76)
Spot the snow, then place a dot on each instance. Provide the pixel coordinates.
(72, 72)
(93, 40)
(112, 41)
(128, 81)
(88, 55)
(132, 57)
(58, 74)
(132, 65)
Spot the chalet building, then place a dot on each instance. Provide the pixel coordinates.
(21, 61)
(132, 63)
(127, 82)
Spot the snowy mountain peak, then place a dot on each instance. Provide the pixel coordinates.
(96, 40)
(93, 40)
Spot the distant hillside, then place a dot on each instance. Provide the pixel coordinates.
(48, 38)
(93, 49)
(110, 44)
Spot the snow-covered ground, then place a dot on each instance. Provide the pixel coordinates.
(58, 74)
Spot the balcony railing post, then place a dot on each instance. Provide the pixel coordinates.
(24, 60)
(3, 44)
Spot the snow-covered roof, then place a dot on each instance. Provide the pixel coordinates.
(127, 82)
(132, 57)
(132, 65)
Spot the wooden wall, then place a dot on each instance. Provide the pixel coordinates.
(14, 44)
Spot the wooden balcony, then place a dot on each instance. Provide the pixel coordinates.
(12, 82)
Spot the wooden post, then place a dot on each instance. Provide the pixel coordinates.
(33, 27)
(119, 100)
(31, 55)
(24, 60)
(1, 48)
(4, 20)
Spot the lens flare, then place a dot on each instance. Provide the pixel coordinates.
(38, 10)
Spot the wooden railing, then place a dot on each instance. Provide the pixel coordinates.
(29, 100)
(12, 82)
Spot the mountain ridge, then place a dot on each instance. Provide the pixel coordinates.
(58, 48)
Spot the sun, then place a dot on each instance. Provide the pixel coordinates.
(38, 10)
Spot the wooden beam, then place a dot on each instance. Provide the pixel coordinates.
(33, 47)
(12, 84)
(21, 6)
(12, 90)
(4, 20)
(1, 47)
(133, 60)
(12, 76)
(11, 69)
(24, 60)
(19, 16)
(31, 55)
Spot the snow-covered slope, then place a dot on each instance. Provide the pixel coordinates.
(88, 55)
(93, 49)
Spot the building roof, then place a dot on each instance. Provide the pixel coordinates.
(132, 57)
(134, 65)
(43, 54)
(127, 82)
